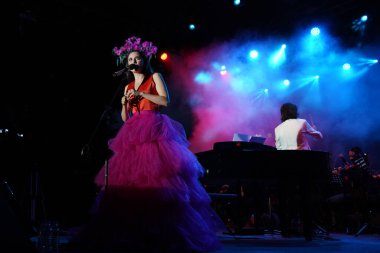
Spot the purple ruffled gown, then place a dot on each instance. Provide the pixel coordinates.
(153, 200)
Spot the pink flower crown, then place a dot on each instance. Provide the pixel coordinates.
(134, 44)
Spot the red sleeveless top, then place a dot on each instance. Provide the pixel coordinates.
(148, 86)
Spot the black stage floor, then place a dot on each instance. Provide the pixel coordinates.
(335, 242)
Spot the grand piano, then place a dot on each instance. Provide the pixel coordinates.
(255, 172)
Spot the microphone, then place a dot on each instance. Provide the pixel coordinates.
(127, 68)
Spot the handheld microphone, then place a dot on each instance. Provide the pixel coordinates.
(132, 66)
(127, 68)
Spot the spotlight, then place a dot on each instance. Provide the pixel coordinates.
(315, 31)
(164, 56)
(4, 130)
(367, 62)
(253, 54)
(346, 66)
(223, 70)
(373, 61)
(359, 24)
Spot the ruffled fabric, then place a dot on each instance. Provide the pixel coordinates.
(153, 199)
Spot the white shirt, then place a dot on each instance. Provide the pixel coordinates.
(291, 134)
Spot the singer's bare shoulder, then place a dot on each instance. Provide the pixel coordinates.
(161, 85)
(157, 75)
(158, 79)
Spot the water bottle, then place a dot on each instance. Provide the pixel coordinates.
(48, 238)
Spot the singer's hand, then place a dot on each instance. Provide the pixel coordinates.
(124, 100)
(130, 94)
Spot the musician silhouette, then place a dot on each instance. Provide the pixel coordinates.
(352, 202)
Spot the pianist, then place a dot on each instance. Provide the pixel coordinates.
(291, 133)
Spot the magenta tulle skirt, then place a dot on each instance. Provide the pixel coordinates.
(153, 201)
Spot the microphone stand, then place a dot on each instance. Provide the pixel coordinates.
(85, 151)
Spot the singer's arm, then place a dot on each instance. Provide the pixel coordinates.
(124, 108)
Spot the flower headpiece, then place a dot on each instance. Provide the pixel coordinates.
(134, 44)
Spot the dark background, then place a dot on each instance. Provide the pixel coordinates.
(64, 100)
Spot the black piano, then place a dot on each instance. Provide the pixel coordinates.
(253, 171)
